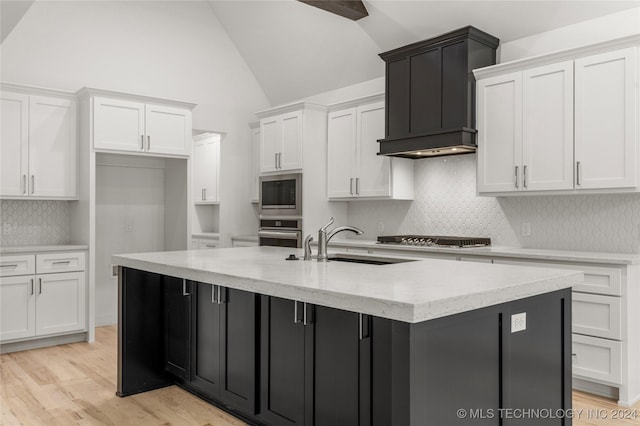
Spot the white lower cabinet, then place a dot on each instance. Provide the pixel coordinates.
(598, 359)
(17, 308)
(36, 304)
(60, 303)
(204, 243)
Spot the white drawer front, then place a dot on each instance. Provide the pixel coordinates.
(597, 315)
(597, 279)
(17, 265)
(595, 358)
(48, 263)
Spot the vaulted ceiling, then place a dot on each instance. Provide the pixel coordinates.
(296, 50)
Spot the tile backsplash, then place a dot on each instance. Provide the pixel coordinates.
(33, 222)
(446, 204)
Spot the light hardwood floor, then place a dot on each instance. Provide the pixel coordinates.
(75, 384)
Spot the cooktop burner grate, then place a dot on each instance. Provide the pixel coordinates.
(431, 240)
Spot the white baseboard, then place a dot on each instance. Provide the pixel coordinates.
(595, 388)
(42, 342)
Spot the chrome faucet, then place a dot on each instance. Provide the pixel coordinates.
(324, 238)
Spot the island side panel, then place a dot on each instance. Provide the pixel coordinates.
(537, 360)
(140, 332)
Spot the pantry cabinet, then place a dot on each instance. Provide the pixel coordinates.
(564, 123)
(39, 145)
(354, 168)
(127, 123)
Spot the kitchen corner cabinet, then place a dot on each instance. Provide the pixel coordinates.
(206, 170)
(564, 123)
(42, 295)
(354, 168)
(138, 124)
(39, 145)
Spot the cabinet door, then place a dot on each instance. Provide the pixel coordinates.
(177, 326)
(547, 127)
(341, 153)
(500, 133)
(14, 144)
(238, 349)
(60, 303)
(255, 164)
(605, 119)
(53, 147)
(205, 353)
(17, 307)
(270, 131)
(206, 160)
(167, 129)
(118, 125)
(341, 390)
(373, 171)
(398, 98)
(283, 349)
(291, 144)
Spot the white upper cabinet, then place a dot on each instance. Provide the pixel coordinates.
(606, 120)
(281, 138)
(145, 125)
(566, 126)
(206, 169)
(341, 151)
(547, 127)
(128, 134)
(168, 129)
(39, 146)
(14, 145)
(354, 168)
(499, 121)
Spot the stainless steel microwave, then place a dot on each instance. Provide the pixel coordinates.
(281, 195)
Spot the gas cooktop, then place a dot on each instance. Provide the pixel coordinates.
(434, 241)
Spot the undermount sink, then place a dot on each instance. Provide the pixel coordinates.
(369, 260)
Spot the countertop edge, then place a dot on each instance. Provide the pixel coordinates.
(41, 248)
(395, 310)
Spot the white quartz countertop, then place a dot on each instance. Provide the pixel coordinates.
(42, 248)
(206, 235)
(410, 292)
(512, 252)
(247, 238)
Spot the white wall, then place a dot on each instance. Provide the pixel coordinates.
(446, 203)
(607, 27)
(170, 49)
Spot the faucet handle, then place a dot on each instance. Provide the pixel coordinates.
(324, 228)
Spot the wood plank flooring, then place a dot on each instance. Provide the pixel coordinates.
(75, 384)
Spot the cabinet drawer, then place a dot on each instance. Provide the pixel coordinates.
(17, 265)
(60, 262)
(597, 315)
(207, 244)
(595, 358)
(597, 279)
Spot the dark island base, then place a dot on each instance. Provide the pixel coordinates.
(272, 361)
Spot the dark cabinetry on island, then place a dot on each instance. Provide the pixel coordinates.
(274, 361)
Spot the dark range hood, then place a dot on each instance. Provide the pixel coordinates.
(430, 94)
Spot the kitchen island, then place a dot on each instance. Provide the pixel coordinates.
(293, 342)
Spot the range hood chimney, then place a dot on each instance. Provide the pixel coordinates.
(430, 94)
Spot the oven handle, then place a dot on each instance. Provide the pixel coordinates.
(292, 235)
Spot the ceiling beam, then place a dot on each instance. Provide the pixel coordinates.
(352, 9)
